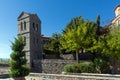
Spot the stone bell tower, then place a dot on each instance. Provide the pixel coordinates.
(29, 27)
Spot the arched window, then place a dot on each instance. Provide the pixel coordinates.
(21, 24)
(24, 25)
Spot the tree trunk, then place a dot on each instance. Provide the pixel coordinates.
(77, 56)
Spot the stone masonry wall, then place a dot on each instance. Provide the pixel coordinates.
(116, 66)
(53, 66)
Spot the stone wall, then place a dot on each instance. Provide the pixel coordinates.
(53, 66)
(4, 69)
(4, 65)
(116, 66)
(84, 76)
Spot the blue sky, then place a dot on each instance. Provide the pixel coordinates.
(54, 14)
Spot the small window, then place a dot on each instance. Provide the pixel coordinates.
(33, 26)
(38, 57)
(43, 41)
(119, 22)
(21, 26)
(25, 39)
(34, 40)
(24, 25)
(37, 41)
(36, 27)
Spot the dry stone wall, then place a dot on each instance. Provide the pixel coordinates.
(53, 66)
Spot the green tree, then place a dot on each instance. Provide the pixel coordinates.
(99, 42)
(109, 44)
(78, 37)
(75, 22)
(55, 43)
(18, 61)
(113, 43)
(53, 47)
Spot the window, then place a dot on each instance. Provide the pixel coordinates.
(24, 38)
(24, 25)
(37, 41)
(38, 57)
(33, 26)
(21, 26)
(119, 22)
(36, 27)
(34, 40)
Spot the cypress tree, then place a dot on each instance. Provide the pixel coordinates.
(98, 25)
(18, 61)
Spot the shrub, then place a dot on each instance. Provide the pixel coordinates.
(97, 66)
(80, 68)
(87, 68)
(72, 68)
(101, 65)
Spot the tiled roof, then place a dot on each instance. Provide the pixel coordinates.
(117, 7)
